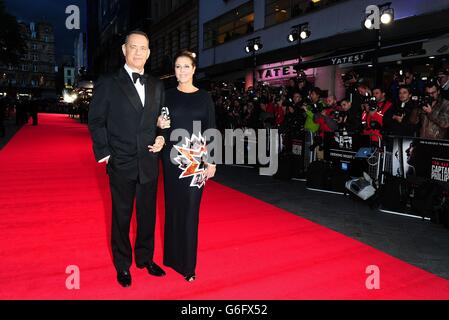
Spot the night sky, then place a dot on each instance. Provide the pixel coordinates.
(52, 11)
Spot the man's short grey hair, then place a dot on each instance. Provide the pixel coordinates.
(136, 32)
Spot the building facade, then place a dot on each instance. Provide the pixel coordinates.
(80, 53)
(174, 28)
(108, 23)
(172, 25)
(35, 74)
(338, 41)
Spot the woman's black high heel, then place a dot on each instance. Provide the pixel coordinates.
(190, 278)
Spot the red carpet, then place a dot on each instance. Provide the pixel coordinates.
(55, 212)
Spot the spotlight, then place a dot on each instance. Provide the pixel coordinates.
(305, 34)
(386, 17)
(293, 36)
(368, 24)
(387, 14)
(253, 45)
(299, 32)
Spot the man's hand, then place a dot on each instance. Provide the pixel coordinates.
(427, 109)
(163, 123)
(158, 144)
(398, 118)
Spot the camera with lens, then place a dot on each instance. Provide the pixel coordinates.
(425, 100)
(288, 102)
(339, 114)
(317, 108)
(371, 102)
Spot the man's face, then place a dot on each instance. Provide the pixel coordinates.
(443, 79)
(409, 152)
(331, 100)
(362, 91)
(404, 95)
(296, 97)
(378, 94)
(136, 51)
(314, 97)
(346, 105)
(432, 92)
(408, 78)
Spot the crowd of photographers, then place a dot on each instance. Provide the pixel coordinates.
(409, 107)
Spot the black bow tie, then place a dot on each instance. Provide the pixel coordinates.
(141, 77)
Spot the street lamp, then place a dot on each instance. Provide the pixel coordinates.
(299, 33)
(252, 46)
(375, 18)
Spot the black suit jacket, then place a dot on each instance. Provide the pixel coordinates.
(122, 128)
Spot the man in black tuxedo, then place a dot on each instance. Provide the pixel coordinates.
(122, 121)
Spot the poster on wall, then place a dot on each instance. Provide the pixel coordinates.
(428, 159)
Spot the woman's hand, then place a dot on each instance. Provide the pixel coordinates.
(163, 123)
(210, 171)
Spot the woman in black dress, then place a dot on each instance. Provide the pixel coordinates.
(185, 164)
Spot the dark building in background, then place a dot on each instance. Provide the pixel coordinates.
(66, 75)
(338, 43)
(174, 28)
(35, 73)
(80, 55)
(171, 24)
(108, 23)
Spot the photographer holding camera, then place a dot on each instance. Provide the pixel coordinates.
(374, 113)
(382, 103)
(315, 105)
(401, 119)
(434, 116)
(349, 118)
(409, 79)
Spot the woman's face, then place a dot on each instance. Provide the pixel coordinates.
(184, 70)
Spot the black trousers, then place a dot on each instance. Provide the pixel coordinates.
(123, 193)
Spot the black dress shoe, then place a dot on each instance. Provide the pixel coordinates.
(153, 269)
(124, 278)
